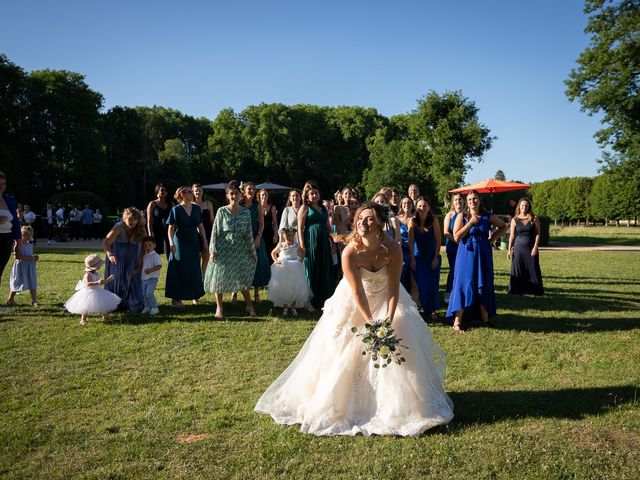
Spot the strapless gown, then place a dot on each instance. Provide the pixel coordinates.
(330, 388)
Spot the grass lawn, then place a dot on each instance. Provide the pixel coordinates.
(552, 392)
(595, 235)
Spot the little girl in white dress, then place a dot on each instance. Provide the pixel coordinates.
(288, 285)
(90, 297)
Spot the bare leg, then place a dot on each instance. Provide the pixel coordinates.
(457, 321)
(484, 315)
(34, 301)
(11, 299)
(83, 319)
(247, 300)
(256, 295)
(218, 305)
(204, 262)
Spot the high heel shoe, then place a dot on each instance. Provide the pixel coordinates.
(457, 327)
(250, 311)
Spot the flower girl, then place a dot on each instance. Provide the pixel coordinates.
(23, 273)
(288, 285)
(89, 297)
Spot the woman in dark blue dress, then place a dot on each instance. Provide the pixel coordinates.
(457, 206)
(526, 276)
(473, 277)
(425, 240)
(184, 277)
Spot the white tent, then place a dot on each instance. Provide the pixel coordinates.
(273, 187)
(215, 186)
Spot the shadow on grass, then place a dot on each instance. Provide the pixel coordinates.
(587, 240)
(541, 324)
(589, 280)
(572, 301)
(472, 408)
(204, 313)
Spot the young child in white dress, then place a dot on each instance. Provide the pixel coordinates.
(288, 284)
(90, 297)
(23, 273)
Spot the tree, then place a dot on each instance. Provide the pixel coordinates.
(500, 176)
(440, 138)
(607, 78)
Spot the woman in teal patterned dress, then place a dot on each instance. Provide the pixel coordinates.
(263, 269)
(315, 245)
(232, 252)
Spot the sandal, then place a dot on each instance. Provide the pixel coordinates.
(457, 327)
(218, 314)
(250, 311)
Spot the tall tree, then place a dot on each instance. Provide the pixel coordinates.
(607, 78)
(500, 175)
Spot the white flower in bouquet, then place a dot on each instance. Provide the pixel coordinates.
(380, 342)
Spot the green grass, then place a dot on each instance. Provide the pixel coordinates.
(626, 236)
(552, 392)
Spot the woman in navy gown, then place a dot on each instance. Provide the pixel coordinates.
(186, 239)
(425, 240)
(526, 276)
(473, 277)
(405, 214)
(457, 206)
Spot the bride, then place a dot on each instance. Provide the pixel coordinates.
(330, 388)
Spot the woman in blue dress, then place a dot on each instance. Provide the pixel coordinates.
(425, 240)
(186, 241)
(473, 277)
(457, 206)
(263, 269)
(123, 247)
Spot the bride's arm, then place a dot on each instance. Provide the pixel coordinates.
(394, 270)
(352, 275)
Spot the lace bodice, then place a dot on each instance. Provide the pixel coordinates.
(288, 252)
(374, 282)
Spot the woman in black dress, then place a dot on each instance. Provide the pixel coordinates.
(207, 213)
(526, 276)
(157, 213)
(270, 232)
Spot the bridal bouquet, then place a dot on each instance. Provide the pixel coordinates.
(381, 342)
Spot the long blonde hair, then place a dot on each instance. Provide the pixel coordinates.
(380, 213)
(135, 234)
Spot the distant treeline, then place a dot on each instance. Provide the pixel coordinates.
(56, 137)
(611, 196)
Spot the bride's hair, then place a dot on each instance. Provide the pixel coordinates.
(380, 214)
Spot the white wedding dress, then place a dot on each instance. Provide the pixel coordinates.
(330, 388)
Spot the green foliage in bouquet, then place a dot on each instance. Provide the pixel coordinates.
(381, 343)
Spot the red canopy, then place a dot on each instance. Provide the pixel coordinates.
(492, 186)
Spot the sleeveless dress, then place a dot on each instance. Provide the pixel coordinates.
(127, 285)
(288, 284)
(23, 272)
(526, 276)
(94, 299)
(184, 277)
(427, 279)
(206, 223)
(267, 234)
(159, 228)
(452, 251)
(330, 388)
(405, 277)
(232, 242)
(263, 271)
(318, 265)
(473, 277)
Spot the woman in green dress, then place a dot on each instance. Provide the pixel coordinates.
(184, 280)
(315, 245)
(232, 252)
(262, 274)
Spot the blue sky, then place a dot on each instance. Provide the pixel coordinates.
(509, 57)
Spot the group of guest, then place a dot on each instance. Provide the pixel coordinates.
(234, 250)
